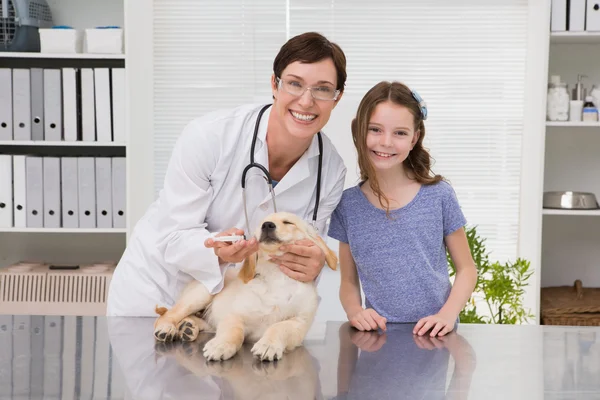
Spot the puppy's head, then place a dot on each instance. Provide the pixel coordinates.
(284, 228)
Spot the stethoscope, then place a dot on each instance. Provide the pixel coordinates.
(267, 176)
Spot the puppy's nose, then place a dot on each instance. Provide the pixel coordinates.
(268, 226)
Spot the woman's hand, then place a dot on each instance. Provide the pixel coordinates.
(439, 324)
(302, 261)
(366, 320)
(232, 252)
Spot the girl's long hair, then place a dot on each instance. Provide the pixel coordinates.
(418, 160)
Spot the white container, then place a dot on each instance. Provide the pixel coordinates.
(575, 110)
(60, 41)
(104, 41)
(557, 106)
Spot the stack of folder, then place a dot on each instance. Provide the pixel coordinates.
(66, 104)
(62, 192)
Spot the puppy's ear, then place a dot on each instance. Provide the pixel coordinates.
(248, 269)
(330, 257)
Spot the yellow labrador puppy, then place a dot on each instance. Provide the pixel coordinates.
(258, 303)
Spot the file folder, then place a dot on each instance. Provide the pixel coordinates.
(19, 191)
(52, 356)
(87, 192)
(21, 362)
(36, 385)
(37, 103)
(35, 191)
(6, 355)
(69, 192)
(6, 108)
(21, 104)
(119, 192)
(88, 111)
(52, 105)
(103, 109)
(70, 106)
(6, 191)
(52, 209)
(104, 214)
(118, 105)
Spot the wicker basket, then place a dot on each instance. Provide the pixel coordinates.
(570, 305)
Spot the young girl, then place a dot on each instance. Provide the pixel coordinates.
(395, 225)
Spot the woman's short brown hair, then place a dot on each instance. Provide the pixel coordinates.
(311, 47)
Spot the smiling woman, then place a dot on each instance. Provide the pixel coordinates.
(173, 243)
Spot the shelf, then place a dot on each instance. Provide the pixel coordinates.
(59, 144)
(575, 37)
(81, 56)
(571, 124)
(63, 230)
(548, 211)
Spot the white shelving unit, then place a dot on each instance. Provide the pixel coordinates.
(75, 56)
(569, 238)
(66, 245)
(14, 143)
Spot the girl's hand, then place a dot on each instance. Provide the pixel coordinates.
(366, 320)
(438, 323)
(232, 252)
(368, 341)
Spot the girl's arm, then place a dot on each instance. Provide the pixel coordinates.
(350, 284)
(361, 319)
(466, 274)
(464, 284)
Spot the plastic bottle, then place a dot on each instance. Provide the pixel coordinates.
(590, 112)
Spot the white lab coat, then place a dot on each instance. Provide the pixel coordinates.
(202, 196)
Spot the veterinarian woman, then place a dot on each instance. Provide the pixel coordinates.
(202, 194)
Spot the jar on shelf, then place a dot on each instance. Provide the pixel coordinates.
(558, 101)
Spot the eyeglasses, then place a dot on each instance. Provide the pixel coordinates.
(295, 88)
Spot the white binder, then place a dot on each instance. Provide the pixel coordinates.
(52, 105)
(36, 376)
(21, 362)
(52, 209)
(37, 103)
(19, 191)
(87, 192)
(6, 191)
(70, 107)
(6, 108)
(35, 192)
(104, 214)
(119, 192)
(103, 109)
(21, 104)
(52, 356)
(88, 111)
(6, 355)
(70, 358)
(118, 105)
(69, 192)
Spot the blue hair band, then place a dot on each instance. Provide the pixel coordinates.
(421, 102)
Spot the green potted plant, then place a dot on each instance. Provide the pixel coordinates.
(500, 287)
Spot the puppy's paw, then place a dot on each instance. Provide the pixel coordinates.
(165, 332)
(189, 328)
(268, 350)
(217, 349)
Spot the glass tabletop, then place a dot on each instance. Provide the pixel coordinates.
(65, 357)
